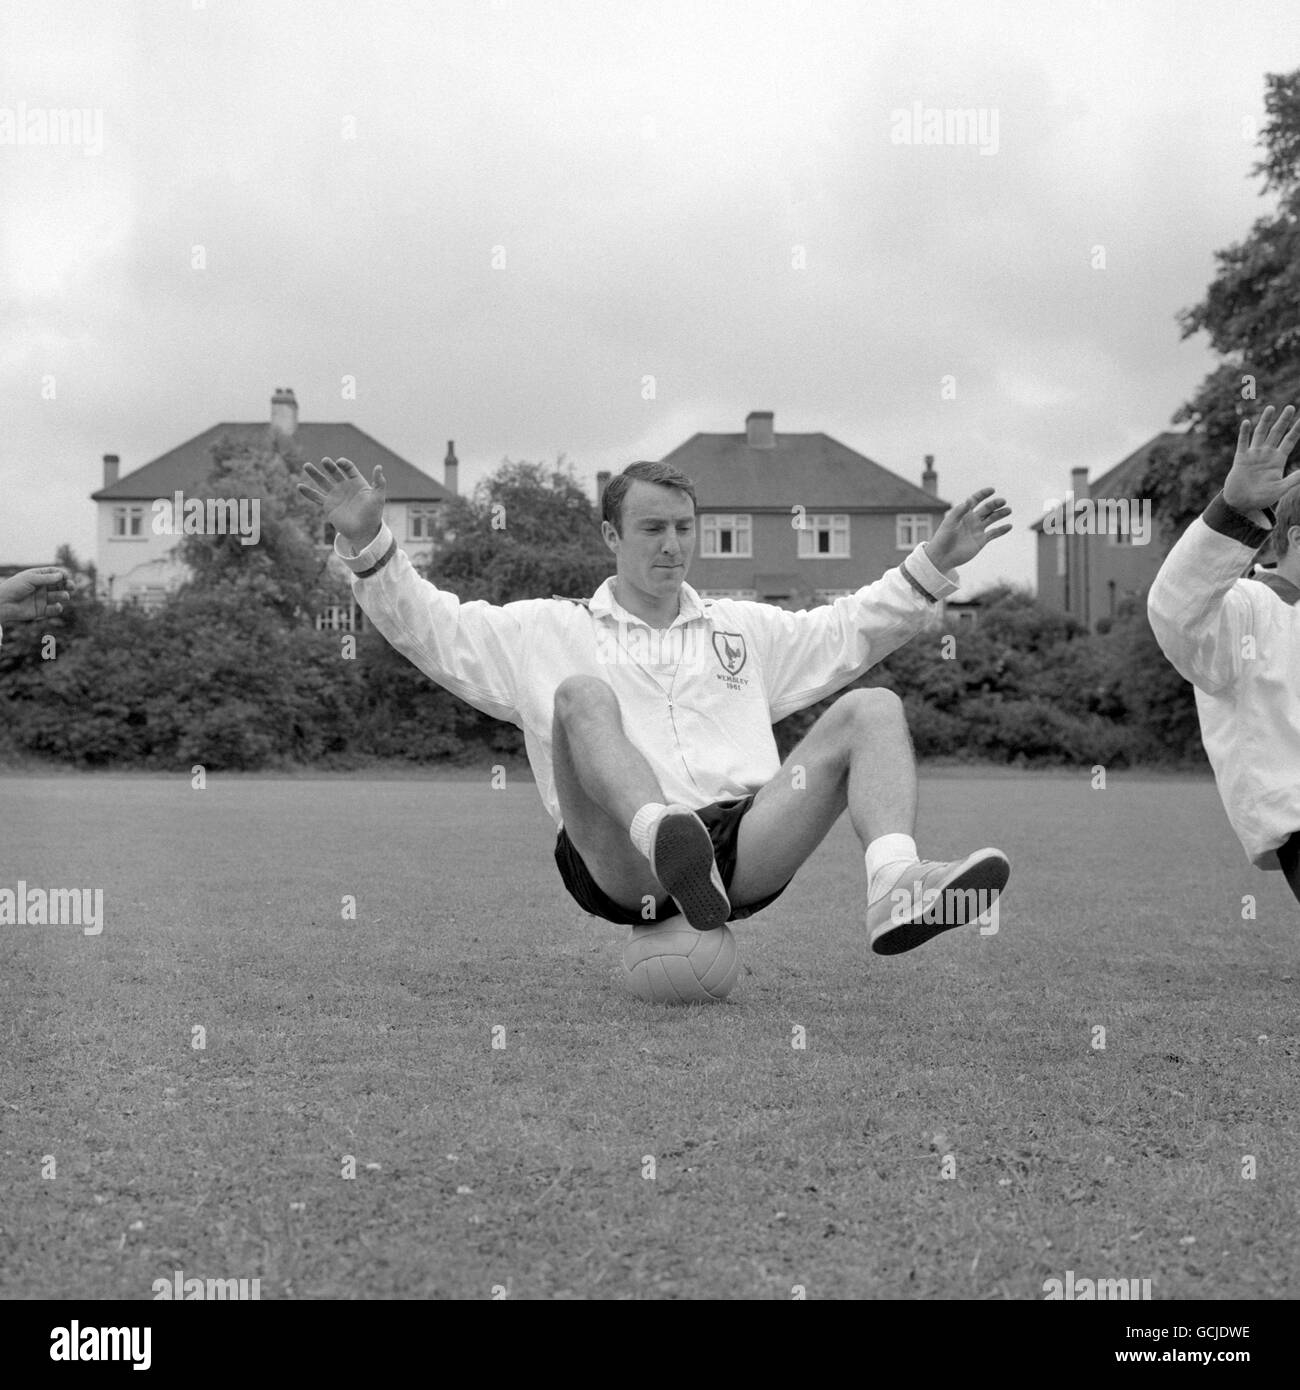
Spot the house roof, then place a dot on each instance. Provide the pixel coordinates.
(1122, 480)
(187, 466)
(809, 470)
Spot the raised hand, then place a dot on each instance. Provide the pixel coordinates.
(1256, 478)
(964, 532)
(354, 507)
(33, 593)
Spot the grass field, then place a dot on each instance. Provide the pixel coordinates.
(523, 1168)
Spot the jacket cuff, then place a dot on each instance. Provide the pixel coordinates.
(371, 557)
(931, 583)
(1229, 522)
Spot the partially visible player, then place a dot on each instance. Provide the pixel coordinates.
(647, 711)
(32, 593)
(1237, 639)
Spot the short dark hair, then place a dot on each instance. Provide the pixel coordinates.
(1285, 515)
(664, 474)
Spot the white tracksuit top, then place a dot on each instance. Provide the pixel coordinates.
(1238, 641)
(698, 700)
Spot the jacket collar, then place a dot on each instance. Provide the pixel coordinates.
(1283, 588)
(604, 605)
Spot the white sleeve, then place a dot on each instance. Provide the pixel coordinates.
(810, 654)
(1197, 612)
(473, 649)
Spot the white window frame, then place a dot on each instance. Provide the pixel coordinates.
(123, 517)
(741, 526)
(919, 526)
(836, 526)
(337, 617)
(421, 519)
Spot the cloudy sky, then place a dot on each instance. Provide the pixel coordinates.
(712, 195)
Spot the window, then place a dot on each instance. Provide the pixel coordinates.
(722, 537)
(421, 519)
(128, 522)
(824, 537)
(911, 528)
(338, 617)
(751, 594)
(1060, 554)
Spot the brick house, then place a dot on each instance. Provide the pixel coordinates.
(797, 519)
(1089, 573)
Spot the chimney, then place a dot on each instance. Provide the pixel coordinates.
(451, 468)
(1079, 483)
(284, 411)
(111, 462)
(602, 482)
(930, 479)
(758, 430)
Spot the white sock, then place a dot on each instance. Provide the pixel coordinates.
(887, 857)
(643, 823)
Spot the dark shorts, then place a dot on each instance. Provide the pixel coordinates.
(1288, 855)
(723, 821)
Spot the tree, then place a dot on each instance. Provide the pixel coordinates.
(1251, 311)
(524, 533)
(283, 571)
(84, 574)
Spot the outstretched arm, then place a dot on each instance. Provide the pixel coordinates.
(1198, 613)
(473, 649)
(810, 654)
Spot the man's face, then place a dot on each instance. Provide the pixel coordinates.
(658, 541)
